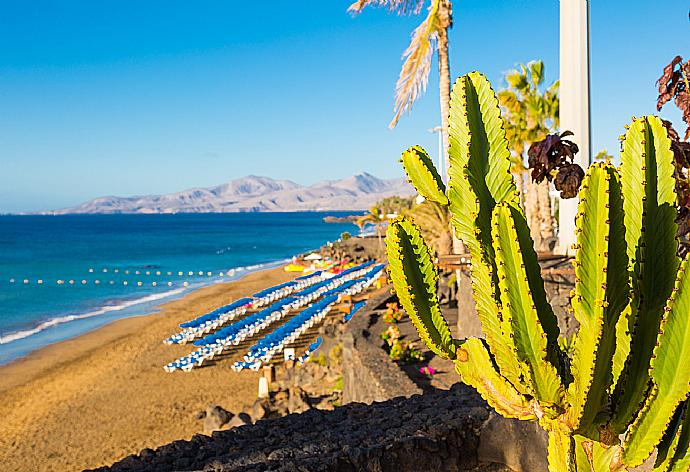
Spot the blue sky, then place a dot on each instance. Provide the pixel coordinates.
(133, 97)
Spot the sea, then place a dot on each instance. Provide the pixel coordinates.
(61, 276)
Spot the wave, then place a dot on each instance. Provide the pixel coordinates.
(8, 338)
(17, 335)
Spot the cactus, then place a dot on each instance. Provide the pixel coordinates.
(622, 392)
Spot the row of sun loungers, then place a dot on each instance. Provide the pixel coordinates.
(289, 332)
(234, 334)
(219, 317)
(209, 322)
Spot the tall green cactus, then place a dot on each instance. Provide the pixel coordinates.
(624, 391)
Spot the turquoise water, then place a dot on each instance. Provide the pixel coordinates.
(61, 276)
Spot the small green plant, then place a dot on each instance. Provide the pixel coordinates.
(321, 359)
(345, 236)
(393, 314)
(405, 352)
(624, 390)
(390, 335)
(338, 386)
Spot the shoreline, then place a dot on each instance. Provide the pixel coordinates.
(92, 399)
(147, 304)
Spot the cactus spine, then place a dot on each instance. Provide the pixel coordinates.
(625, 390)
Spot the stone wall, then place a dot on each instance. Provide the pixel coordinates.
(432, 432)
(557, 286)
(368, 373)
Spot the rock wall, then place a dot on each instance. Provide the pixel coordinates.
(368, 374)
(431, 432)
(557, 288)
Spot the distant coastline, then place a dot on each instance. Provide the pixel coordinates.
(252, 194)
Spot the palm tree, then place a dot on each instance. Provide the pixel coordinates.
(530, 115)
(434, 219)
(375, 217)
(430, 35)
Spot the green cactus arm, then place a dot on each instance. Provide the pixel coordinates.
(594, 456)
(561, 451)
(479, 178)
(681, 456)
(601, 292)
(670, 373)
(475, 367)
(622, 345)
(666, 450)
(415, 279)
(649, 204)
(519, 281)
(423, 175)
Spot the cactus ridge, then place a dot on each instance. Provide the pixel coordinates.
(626, 389)
(423, 175)
(671, 440)
(601, 292)
(649, 201)
(415, 279)
(479, 177)
(670, 373)
(680, 462)
(475, 367)
(519, 308)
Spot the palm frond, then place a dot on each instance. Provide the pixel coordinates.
(402, 7)
(414, 75)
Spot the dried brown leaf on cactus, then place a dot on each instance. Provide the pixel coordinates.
(552, 159)
(674, 84)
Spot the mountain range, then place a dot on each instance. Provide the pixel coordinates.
(255, 194)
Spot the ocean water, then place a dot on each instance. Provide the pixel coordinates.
(61, 276)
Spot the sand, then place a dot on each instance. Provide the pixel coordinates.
(97, 398)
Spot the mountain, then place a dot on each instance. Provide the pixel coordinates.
(253, 194)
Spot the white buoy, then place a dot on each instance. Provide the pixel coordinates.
(11, 281)
(116, 270)
(97, 282)
(220, 274)
(91, 270)
(39, 281)
(179, 273)
(26, 281)
(105, 270)
(201, 273)
(112, 282)
(158, 272)
(60, 282)
(124, 283)
(136, 272)
(127, 271)
(139, 284)
(169, 284)
(169, 273)
(191, 273)
(148, 272)
(185, 283)
(71, 282)
(154, 284)
(83, 282)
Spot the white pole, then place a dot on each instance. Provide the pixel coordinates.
(575, 103)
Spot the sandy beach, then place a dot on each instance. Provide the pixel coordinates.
(92, 400)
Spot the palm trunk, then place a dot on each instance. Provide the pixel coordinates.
(445, 17)
(538, 212)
